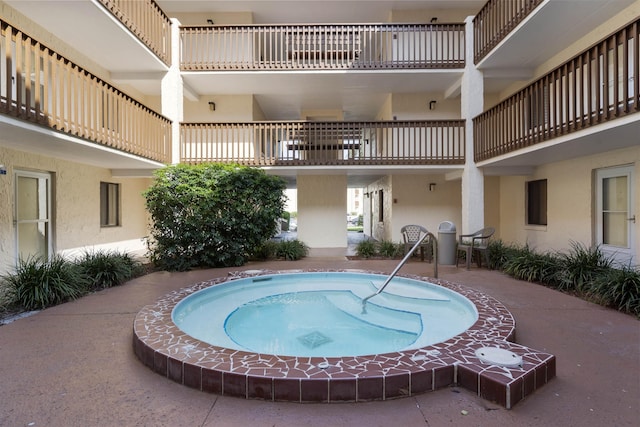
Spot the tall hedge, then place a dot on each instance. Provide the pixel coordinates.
(211, 215)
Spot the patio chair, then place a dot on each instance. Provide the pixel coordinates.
(410, 235)
(478, 245)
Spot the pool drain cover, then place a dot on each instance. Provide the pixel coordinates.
(499, 357)
(314, 339)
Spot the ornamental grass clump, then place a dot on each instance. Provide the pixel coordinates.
(38, 283)
(618, 288)
(291, 250)
(108, 269)
(580, 266)
(390, 249)
(526, 264)
(366, 249)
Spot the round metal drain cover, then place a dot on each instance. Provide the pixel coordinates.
(499, 356)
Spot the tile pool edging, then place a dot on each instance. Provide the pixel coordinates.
(164, 348)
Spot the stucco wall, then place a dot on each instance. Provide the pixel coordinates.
(322, 210)
(413, 203)
(229, 108)
(76, 204)
(219, 18)
(426, 15)
(570, 201)
(492, 199)
(415, 106)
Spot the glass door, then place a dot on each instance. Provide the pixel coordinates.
(33, 214)
(615, 225)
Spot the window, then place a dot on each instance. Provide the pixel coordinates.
(109, 204)
(536, 202)
(380, 206)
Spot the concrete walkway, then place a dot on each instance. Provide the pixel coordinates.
(73, 365)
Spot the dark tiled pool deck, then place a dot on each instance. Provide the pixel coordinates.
(74, 365)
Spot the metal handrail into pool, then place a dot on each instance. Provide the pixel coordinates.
(399, 266)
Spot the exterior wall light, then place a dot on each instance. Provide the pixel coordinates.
(432, 186)
(212, 106)
(432, 104)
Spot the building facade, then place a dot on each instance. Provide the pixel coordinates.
(482, 113)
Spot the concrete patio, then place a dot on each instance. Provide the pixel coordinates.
(73, 365)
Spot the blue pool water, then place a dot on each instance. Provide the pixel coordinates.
(320, 314)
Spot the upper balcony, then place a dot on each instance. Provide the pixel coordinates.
(322, 47)
(291, 68)
(131, 40)
(95, 123)
(513, 39)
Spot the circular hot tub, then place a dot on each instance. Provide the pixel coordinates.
(296, 335)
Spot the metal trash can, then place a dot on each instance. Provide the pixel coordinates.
(447, 243)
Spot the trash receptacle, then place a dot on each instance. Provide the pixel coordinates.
(447, 243)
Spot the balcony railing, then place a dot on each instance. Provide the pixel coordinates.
(596, 86)
(301, 143)
(147, 21)
(295, 47)
(494, 22)
(40, 86)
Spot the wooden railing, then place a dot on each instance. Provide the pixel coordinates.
(596, 86)
(40, 86)
(286, 47)
(494, 22)
(147, 21)
(301, 143)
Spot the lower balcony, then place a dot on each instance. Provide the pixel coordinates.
(596, 91)
(302, 143)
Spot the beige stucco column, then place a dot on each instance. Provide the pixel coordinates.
(322, 210)
(472, 101)
(173, 91)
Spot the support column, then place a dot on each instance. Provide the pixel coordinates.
(472, 104)
(322, 210)
(173, 92)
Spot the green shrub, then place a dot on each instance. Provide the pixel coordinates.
(618, 288)
(108, 269)
(38, 283)
(389, 249)
(291, 250)
(580, 266)
(366, 248)
(211, 215)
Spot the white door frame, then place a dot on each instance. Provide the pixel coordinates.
(623, 254)
(46, 222)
